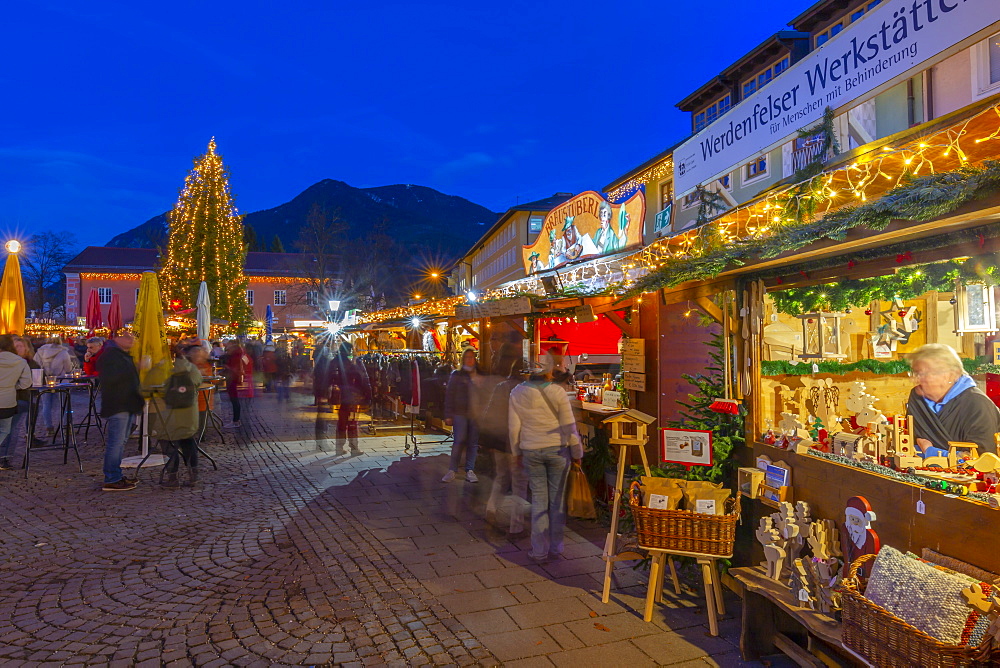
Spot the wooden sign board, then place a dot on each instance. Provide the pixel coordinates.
(634, 363)
(635, 381)
(492, 309)
(515, 306)
(996, 352)
(633, 346)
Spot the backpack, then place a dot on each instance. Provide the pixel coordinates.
(181, 391)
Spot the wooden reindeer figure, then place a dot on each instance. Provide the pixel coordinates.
(803, 521)
(824, 539)
(774, 550)
(987, 604)
(788, 528)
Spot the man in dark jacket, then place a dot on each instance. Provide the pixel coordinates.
(355, 391)
(121, 403)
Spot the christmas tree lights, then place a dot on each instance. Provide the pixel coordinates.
(206, 242)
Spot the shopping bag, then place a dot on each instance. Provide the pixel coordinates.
(579, 498)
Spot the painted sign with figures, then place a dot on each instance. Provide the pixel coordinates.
(586, 226)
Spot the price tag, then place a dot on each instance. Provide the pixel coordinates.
(921, 507)
(815, 367)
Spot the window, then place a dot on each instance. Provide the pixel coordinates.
(763, 78)
(725, 181)
(831, 32)
(250, 297)
(312, 298)
(693, 198)
(986, 66)
(535, 223)
(666, 194)
(104, 295)
(279, 297)
(755, 169)
(713, 112)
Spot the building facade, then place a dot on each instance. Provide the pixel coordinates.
(280, 280)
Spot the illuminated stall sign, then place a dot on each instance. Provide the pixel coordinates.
(586, 226)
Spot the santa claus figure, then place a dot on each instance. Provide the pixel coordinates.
(858, 537)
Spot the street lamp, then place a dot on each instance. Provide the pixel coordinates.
(13, 246)
(471, 296)
(334, 304)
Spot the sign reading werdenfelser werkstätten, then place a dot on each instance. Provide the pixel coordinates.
(888, 41)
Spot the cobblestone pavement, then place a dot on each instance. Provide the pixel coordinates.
(290, 555)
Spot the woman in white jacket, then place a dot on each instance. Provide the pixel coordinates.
(14, 375)
(543, 435)
(54, 359)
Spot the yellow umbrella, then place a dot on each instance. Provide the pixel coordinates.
(150, 352)
(12, 293)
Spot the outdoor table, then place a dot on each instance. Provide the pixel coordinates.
(93, 417)
(207, 389)
(65, 428)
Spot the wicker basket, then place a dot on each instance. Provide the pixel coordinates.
(685, 530)
(886, 640)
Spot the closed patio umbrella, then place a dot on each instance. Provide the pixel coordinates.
(204, 304)
(268, 325)
(12, 293)
(115, 314)
(150, 351)
(151, 354)
(94, 319)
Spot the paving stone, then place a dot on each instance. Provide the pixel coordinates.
(548, 612)
(520, 644)
(613, 654)
(487, 622)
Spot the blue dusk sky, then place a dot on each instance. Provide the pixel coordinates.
(107, 103)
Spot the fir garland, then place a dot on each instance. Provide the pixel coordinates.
(908, 283)
(769, 368)
(915, 199)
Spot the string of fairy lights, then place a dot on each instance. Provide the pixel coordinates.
(869, 176)
(779, 211)
(206, 242)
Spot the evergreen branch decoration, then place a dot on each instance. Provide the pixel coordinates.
(908, 283)
(771, 368)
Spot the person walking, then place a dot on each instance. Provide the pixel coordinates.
(461, 403)
(54, 358)
(239, 379)
(355, 391)
(543, 434)
(494, 436)
(179, 422)
(121, 402)
(14, 376)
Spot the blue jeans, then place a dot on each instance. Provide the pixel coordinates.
(548, 470)
(5, 432)
(116, 431)
(466, 435)
(8, 444)
(48, 410)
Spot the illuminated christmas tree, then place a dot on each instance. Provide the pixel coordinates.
(206, 243)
